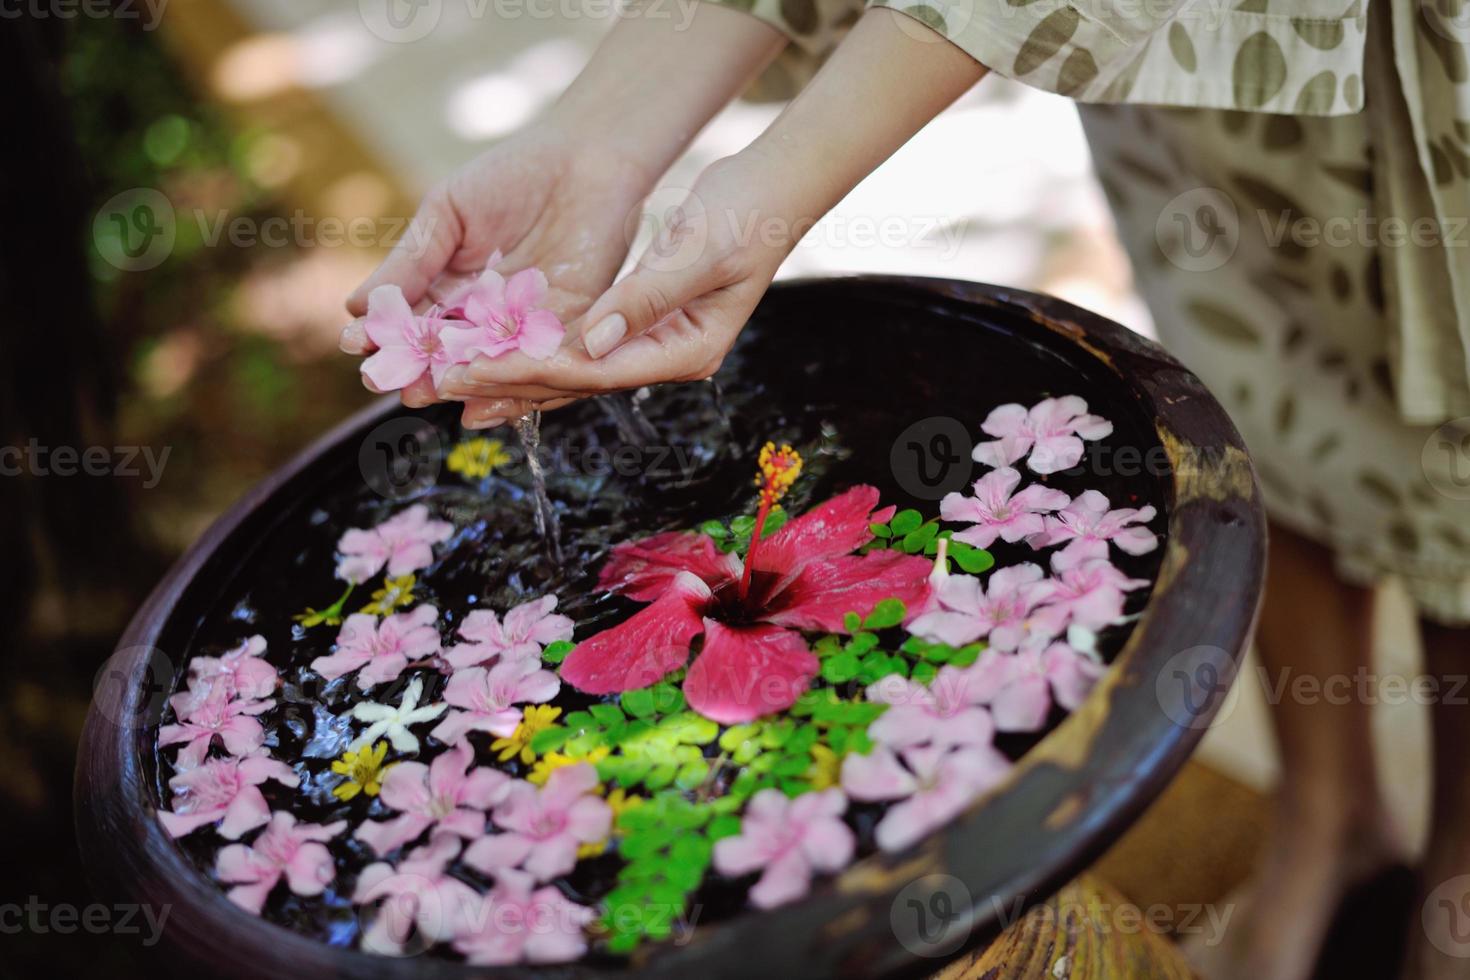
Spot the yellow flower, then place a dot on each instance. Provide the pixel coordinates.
(395, 592)
(552, 761)
(537, 718)
(475, 458)
(618, 801)
(826, 770)
(364, 771)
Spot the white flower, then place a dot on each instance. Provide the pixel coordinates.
(394, 722)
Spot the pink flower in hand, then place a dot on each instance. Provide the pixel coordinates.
(996, 512)
(382, 650)
(504, 316)
(544, 828)
(489, 697)
(418, 894)
(404, 542)
(1087, 525)
(446, 794)
(1050, 434)
(1008, 610)
(243, 672)
(284, 849)
(513, 924)
(934, 784)
(787, 840)
(1021, 687)
(525, 630)
(223, 791)
(1091, 591)
(945, 712)
(231, 720)
(408, 345)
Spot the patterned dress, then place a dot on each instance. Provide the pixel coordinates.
(1291, 179)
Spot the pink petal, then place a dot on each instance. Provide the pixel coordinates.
(743, 673)
(650, 644)
(446, 773)
(526, 290)
(246, 812)
(876, 776)
(389, 318)
(785, 880)
(393, 368)
(179, 824)
(498, 851)
(1005, 420)
(541, 334)
(552, 858)
(836, 527)
(1022, 705)
(310, 870)
(383, 836)
(739, 855)
(825, 591)
(1052, 454)
(484, 788)
(645, 570)
(405, 787)
(252, 897)
(1136, 540)
(952, 628)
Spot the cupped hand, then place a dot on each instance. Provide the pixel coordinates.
(674, 318)
(539, 202)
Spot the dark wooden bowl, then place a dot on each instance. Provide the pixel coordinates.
(1066, 800)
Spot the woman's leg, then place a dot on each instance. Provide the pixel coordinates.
(1441, 947)
(1330, 826)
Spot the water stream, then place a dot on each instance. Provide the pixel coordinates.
(528, 428)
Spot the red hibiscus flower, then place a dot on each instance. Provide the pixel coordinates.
(753, 660)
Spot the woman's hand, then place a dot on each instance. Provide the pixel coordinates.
(677, 315)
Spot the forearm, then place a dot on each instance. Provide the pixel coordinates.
(656, 80)
(887, 79)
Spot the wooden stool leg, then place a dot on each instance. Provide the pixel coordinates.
(1086, 931)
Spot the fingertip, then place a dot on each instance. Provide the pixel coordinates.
(605, 335)
(354, 339)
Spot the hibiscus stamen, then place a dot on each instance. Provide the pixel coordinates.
(779, 469)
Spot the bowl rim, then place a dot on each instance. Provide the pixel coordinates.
(1066, 799)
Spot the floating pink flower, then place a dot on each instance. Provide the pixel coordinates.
(1008, 610)
(1049, 435)
(545, 827)
(996, 510)
(945, 712)
(525, 630)
(381, 651)
(230, 720)
(223, 791)
(404, 542)
(754, 661)
(935, 786)
(408, 345)
(787, 840)
(504, 316)
(285, 849)
(243, 671)
(419, 895)
(1087, 524)
(1021, 687)
(1091, 591)
(514, 924)
(446, 794)
(489, 698)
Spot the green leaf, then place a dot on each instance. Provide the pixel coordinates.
(841, 668)
(924, 672)
(862, 642)
(607, 714)
(743, 525)
(714, 529)
(550, 738)
(916, 541)
(556, 652)
(971, 559)
(965, 656)
(887, 613)
(639, 703)
(725, 825)
(880, 530)
(905, 522)
(775, 520)
(852, 622)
